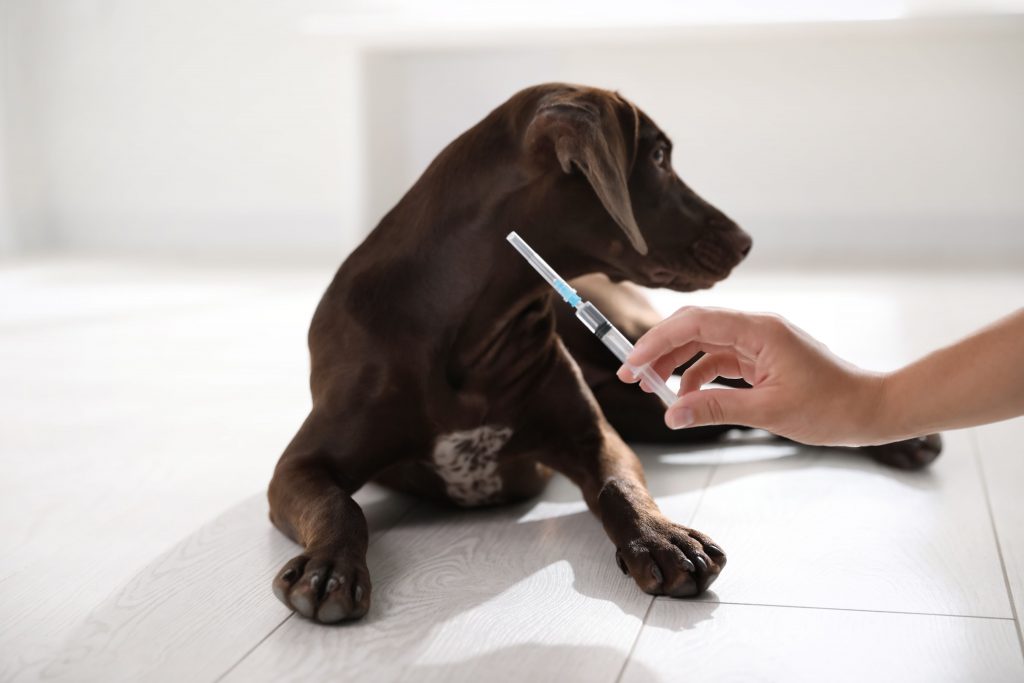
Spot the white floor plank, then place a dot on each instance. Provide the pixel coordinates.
(713, 642)
(481, 596)
(830, 529)
(137, 402)
(196, 610)
(140, 401)
(1001, 450)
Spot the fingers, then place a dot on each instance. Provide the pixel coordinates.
(697, 329)
(716, 407)
(704, 370)
(666, 364)
(663, 365)
(707, 369)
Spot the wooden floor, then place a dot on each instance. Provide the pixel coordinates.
(143, 407)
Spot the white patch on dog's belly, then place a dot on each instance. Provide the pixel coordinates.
(468, 463)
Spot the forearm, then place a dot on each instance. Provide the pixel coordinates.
(977, 380)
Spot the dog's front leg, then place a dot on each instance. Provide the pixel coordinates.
(329, 581)
(664, 558)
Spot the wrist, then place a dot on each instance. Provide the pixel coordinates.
(869, 412)
(891, 420)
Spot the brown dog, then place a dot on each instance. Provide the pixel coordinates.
(436, 365)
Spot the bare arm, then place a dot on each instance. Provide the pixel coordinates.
(803, 391)
(977, 380)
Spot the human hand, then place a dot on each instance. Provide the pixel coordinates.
(800, 390)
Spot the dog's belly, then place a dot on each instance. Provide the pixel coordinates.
(467, 462)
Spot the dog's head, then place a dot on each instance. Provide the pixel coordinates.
(618, 198)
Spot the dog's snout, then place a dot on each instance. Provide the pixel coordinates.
(720, 222)
(739, 239)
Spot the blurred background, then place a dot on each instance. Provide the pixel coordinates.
(886, 130)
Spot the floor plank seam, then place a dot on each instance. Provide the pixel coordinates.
(632, 648)
(853, 609)
(650, 605)
(976, 452)
(704, 489)
(413, 504)
(252, 649)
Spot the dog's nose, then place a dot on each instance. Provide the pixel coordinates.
(735, 236)
(744, 242)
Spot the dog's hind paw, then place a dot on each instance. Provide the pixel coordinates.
(671, 559)
(325, 589)
(909, 454)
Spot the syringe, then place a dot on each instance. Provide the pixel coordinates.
(594, 320)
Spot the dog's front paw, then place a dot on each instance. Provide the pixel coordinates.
(325, 588)
(670, 559)
(909, 454)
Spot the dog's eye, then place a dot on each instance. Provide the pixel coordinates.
(660, 156)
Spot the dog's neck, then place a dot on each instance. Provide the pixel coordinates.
(472, 269)
(513, 282)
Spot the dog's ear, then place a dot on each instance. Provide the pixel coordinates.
(591, 136)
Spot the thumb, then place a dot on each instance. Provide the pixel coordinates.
(714, 407)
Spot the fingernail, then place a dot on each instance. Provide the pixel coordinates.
(625, 373)
(678, 419)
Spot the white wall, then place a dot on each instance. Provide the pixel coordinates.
(7, 223)
(885, 142)
(182, 126)
(20, 175)
(6, 218)
(220, 128)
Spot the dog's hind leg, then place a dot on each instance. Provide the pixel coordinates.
(909, 454)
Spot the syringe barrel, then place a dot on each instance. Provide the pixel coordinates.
(620, 346)
(594, 320)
